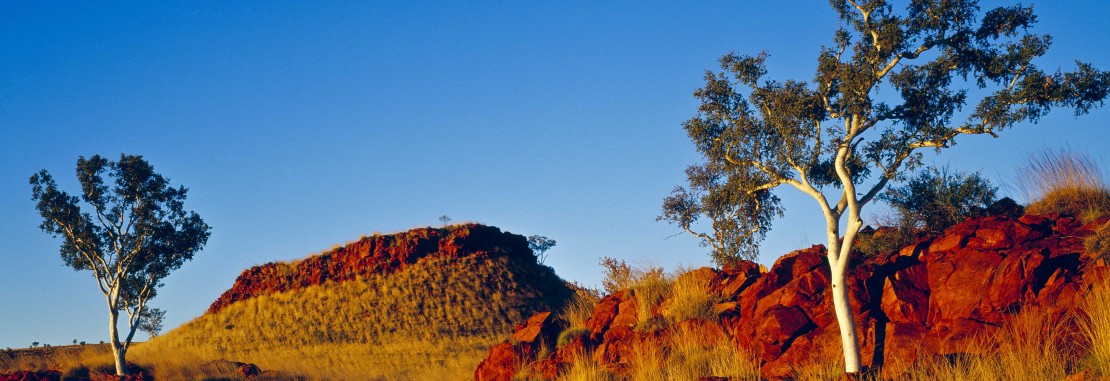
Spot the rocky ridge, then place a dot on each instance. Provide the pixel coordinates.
(931, 298)
(376, 254)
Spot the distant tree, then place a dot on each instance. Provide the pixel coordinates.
(151, 321)
(540, 245)
(74, 341)
(133, 232)
(445, 220)
(890, 85)
(34, 344)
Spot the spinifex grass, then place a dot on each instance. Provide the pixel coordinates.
(1064, 182)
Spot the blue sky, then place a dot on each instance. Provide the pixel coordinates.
(300, 125)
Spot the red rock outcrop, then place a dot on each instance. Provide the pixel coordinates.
(932, 298)
(378, 254)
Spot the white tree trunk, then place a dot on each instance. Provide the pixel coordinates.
(844, 317)
(119, 352)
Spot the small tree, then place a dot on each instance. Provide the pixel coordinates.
(540, 245)
(133, 233)
(840, 136)
(151, 321)
(445, 220)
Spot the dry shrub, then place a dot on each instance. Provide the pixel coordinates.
(690, 298)
(649, 284)
(618, 275)
(1065, 182)
(1094, 325)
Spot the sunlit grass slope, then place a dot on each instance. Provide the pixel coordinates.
(433, 319)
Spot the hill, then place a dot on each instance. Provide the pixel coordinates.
(422, 304)
(992, 298)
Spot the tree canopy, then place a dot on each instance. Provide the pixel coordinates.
(132, 232)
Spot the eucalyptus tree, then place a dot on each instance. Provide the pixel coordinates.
(132, 233)
(891, 84)
(539, 246)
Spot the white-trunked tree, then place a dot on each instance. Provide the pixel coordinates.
(136, 234)
(891, 84)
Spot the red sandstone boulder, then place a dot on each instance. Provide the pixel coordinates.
(932, 298)
(528, 338)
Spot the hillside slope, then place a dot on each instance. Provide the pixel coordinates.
(423, 304)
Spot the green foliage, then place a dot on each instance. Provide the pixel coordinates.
(151, 321)
(756, 134)
(571, 334)
(928, 203)
(539, 246)
(132, 233)
(935, 199)
(739, 217)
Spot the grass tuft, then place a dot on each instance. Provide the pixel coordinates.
(1065, 182)
(691, 298)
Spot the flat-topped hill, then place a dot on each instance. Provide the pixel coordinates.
(421, 304)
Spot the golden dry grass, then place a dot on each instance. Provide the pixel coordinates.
(1065, 182)
(1094, 325)
(584, 368)
(1030, 349)
(60, 358)
(690, 298)
(434, 320)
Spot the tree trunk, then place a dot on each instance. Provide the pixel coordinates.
(844, 317)
(119, 352)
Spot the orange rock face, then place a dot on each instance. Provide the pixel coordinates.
(932, 298)
(379, 254)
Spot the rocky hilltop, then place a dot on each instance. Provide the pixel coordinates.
(377, 255)
(932, 298)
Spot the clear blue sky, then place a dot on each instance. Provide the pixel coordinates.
(300, 125)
